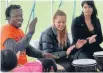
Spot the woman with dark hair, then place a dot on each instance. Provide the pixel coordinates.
(87, 28)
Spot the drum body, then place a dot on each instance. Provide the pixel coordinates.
(84, 65)
(99, 58)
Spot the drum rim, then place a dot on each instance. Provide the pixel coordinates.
(98, 55)
(95, 53)
(79, 65)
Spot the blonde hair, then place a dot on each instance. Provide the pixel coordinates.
(61, 35)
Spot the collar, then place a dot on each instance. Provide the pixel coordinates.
(54, 30)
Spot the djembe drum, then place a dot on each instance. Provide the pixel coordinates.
(84, 65)
(99, 58)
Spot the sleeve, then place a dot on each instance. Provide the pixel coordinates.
(47, 43)
(98, 29)
(10, 44)
(6, 34)
(68, 43)
(33, 52)
(74, 31)
(20, 45)
(48, 46)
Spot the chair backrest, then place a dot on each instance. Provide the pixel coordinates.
(70, 37)
(35, 43)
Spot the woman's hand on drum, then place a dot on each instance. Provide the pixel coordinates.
(92, 39)
(80, 43)
(70, 49)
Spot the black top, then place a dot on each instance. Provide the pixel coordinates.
(80, 30)
(48, 43)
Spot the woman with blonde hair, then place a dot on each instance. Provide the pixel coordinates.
(55, 40)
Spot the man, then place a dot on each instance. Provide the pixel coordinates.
(12, 36)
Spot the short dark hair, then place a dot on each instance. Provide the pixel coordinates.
(8, 60)
(8, 10)
(92, 4)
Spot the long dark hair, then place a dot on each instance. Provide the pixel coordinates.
(92, 4)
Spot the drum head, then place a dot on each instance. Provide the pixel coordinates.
(84, 62)
(99, 53)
